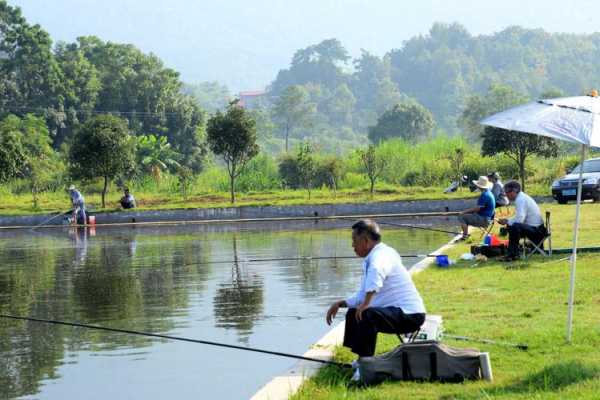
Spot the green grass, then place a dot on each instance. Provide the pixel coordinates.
(522, 302)
(21, 204)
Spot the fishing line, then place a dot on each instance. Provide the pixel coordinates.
(182, 339)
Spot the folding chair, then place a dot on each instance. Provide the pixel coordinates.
(488, 229)
(408, 337)
(530, 248)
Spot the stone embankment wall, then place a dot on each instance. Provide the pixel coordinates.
(256, 212)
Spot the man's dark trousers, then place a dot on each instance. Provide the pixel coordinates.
(361, 336)
(517, 230)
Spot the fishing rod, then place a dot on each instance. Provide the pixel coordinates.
(523, 347)
(306, 258)
(418, 227)
(410, 226)
(182, 339)
(51, 218)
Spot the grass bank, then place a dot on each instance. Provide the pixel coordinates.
(522, 302)
(21, 204)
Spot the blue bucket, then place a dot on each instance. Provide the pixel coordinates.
(442, 261)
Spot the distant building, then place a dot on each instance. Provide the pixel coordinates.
(252, 99)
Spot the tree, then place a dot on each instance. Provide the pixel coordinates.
(211, 96)
(103, 148)
(293, 110)
(373, 165)
(498, 98)
(232, 135)
(517, 146)
(306, 166)
(41, 161)
(408, 120)
(319, 64)
(156, 155)
(12, 153)
(340, 105)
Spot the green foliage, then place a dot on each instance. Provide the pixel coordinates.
(306, 166)
(517, 146)
(408, 120)
(155, 155)
(260, 174)
(211, 96)
(293, 111)
(373, 165)
(233, 136)
(102, 149)
(12, 154)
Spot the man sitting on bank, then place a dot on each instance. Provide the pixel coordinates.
(127, 201)
(527, 221)
(481, 215)
(387, 300)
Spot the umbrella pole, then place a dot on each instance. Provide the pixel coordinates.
(574, 255)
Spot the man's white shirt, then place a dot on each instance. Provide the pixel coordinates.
(384, 274)
(527, 211)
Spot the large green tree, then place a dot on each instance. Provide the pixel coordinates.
(408, 120)
(103, 148)
(518, 146)
(232, 135)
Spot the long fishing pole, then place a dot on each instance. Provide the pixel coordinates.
(523, 347)
(50, 219)
(306, 258)
(417, 227)
(182, 339)
(410, 226)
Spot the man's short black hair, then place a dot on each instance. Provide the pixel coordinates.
(512, 186)
(368, 227)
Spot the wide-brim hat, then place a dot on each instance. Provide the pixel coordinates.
(71, 188)
(483, 183)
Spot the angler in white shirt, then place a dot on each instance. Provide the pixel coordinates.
(387, 300)
(527, 221)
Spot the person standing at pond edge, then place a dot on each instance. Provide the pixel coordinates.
(78, 203)
(387, 300)
(482, 214)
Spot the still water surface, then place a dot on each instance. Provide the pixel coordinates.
(164, 280)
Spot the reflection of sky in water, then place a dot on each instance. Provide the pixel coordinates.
(160, 280)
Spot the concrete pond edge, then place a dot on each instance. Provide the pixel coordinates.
(283, 386)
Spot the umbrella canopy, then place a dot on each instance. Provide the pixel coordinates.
(571, 119)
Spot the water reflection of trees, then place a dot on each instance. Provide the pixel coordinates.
(239, 303)
(93, 280)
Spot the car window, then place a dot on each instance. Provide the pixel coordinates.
(588, 166)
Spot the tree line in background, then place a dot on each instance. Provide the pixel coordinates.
(94, 110)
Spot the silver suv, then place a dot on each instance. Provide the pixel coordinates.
(565, 188)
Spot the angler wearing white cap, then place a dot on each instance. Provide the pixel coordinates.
(78, 203)
(481, 215)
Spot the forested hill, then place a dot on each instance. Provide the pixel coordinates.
(442, 69)
(324, 96)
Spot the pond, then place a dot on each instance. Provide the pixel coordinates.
(189, 281)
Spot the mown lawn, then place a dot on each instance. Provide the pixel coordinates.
(21, 204)
(522, 302)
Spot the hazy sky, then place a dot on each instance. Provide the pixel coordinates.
(243, 43)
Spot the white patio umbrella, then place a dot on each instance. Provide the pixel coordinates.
(572, 119)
